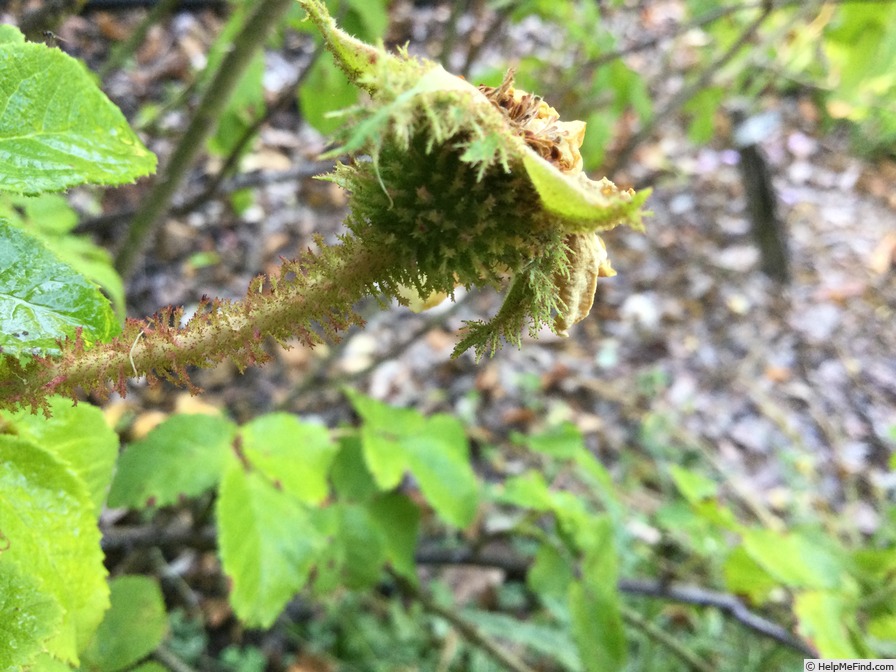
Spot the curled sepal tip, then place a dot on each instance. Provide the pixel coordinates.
(356, 58)
(583, 204)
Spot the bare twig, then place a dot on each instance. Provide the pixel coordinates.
(663, 638)
(729, 604)
(649, 43)
(264, 17)
(688, 92)
(120, 538)
(475, 48)
(285, 96)
(514, 567)
(467, 630)
(724, 602)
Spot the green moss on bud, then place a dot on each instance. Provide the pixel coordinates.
(450, 225)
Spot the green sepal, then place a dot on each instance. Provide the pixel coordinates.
(581, 204)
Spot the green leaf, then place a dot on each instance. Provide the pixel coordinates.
(294, 455)
(57, 128)
(182, 457)
(244, 106)
(704, 106)
(563, 442)
(372, 19)
(883, 627)
(47, 214)
(11, 35)
(267, 544)
(362, 549)
(435, 450)
(94, 263)
(823, 616)
(351, 478)
(43, 300)
(29, 615)
(330, 558)
(874, 564)
(550, 574)
(601, 124)
(594, 604)
(49, 525)
(46, 663)
(326, 90)
(398, 520)
(794, 559)
(151, 666)
(384, 455)
(529, 490)
(440, 461)
(132, 628)
(79, 436)
(381, 434)
(693, 487)
(744, 576)
(50, 219)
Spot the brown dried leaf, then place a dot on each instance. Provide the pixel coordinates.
(589, 261)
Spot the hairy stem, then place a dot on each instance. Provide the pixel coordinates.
(314, 294)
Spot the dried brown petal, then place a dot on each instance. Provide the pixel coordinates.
(539, 124)
(588, 262)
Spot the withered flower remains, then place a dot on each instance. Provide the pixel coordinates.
(469, 186)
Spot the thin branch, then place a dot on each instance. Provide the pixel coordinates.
(688, 92)
(663, 638)
(517, 567)
(123, 538)
(265, 16)
(724, 602)
(284, 97)
(652, 41)
(457, 10)
(698, 22)
(467, 630)
(259, 178)
(475, 48)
